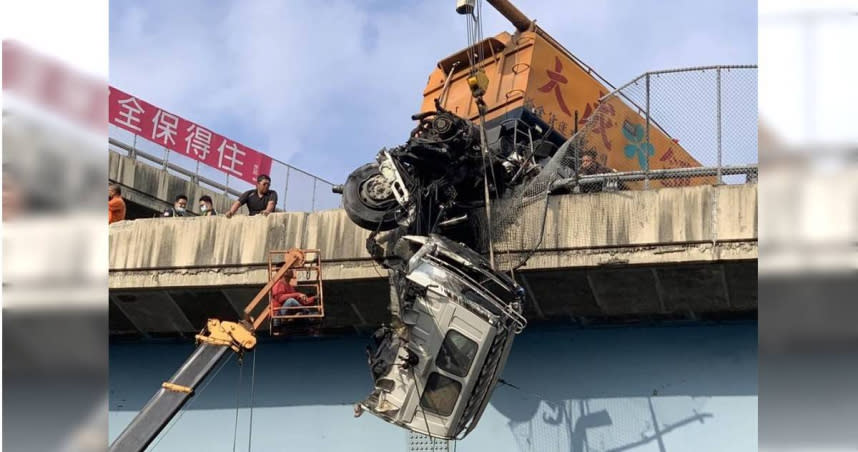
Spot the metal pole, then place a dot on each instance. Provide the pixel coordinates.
(577, 155)
(286, 187)
(718, 115)
(313, 203)
(226, 190)
(576, 123)
(646, 181)
(197, 173)
(134, 148)
(166, 157)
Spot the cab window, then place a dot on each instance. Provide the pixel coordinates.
(457, 354)
(440, 394)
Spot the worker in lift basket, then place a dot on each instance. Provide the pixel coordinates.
(284, 296)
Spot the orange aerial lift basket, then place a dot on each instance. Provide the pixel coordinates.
(308, 274)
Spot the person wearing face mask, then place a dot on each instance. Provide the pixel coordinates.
(206, 207)
(179, 209)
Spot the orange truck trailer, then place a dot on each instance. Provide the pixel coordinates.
(534, 78)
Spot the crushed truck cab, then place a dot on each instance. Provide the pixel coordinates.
(435, 367)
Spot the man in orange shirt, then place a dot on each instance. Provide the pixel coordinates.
(115, 204)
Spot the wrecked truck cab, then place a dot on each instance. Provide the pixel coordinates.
(435, 367)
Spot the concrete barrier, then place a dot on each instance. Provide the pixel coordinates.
(668, 225)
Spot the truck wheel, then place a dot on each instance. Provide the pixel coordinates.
(368, 200)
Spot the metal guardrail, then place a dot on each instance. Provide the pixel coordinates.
(645, 77)
(162, 161)
(749, 171)
(134, 153)
(710, 110)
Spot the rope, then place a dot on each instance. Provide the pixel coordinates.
(470, 51)
(485, 152)
(420, 404)
(475, 56)
(252, 385)
(237, 393)
(375, 234)
(474, 27)
(479, 27)
(189, 404)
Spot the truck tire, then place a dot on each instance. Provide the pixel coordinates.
(366, 201)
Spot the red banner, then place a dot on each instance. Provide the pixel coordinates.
(186, 137)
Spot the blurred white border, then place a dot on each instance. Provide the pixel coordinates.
(75, 32)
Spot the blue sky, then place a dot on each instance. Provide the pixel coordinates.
(323, 85)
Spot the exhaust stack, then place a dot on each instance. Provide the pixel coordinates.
(513, 14)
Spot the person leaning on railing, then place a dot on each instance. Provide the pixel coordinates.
(590, 166)
(258, 200)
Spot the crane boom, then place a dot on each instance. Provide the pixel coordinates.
(169, 399)
(213, 343)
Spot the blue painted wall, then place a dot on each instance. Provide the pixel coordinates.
(690, 388)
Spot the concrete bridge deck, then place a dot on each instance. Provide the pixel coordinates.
(673, 253)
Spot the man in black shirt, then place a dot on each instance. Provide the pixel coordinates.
(258, 200)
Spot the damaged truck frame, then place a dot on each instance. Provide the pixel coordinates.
(454, 321)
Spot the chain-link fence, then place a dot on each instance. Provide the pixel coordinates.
(297, 190)
(684, 118)
(678, 128)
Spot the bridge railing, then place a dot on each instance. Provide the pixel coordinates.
(297, 190)
(692, 117)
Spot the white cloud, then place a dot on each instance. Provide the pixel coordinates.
(282, 70)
